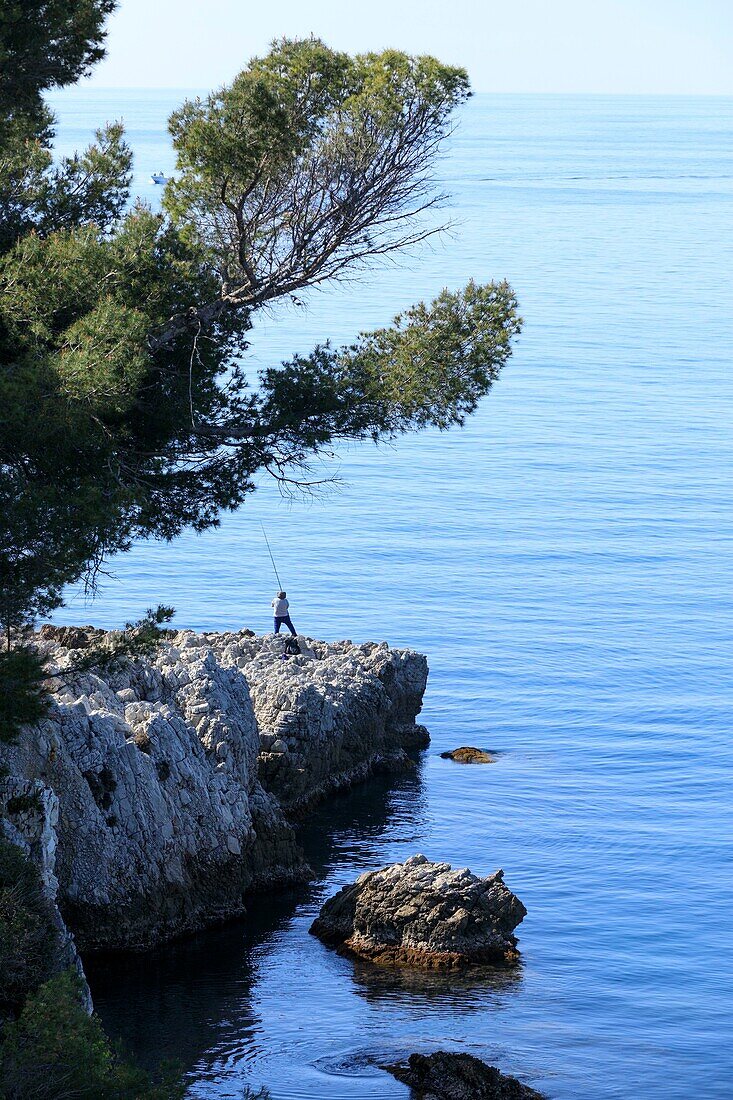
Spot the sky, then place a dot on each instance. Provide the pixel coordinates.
(584, 46)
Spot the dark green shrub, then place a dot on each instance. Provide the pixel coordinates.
(22, 698)
(28, 937)
(22, 803)
(55, 1051)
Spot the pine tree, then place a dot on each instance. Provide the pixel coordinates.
(124, 410)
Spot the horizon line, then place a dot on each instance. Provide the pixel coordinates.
(478, 91)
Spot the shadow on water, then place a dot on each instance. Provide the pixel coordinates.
(350, 827)
(190, 996)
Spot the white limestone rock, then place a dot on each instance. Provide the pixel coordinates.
(163, 826)
(170, 772)
(330, 717)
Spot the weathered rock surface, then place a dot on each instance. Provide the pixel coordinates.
(424, 914)
(169, 772)
(330, 717)
(467, 754)
(444, 1076)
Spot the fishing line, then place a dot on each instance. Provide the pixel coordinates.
(269, 551)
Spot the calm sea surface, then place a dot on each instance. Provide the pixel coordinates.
(565, 562)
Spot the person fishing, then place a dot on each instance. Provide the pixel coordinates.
(280, 606)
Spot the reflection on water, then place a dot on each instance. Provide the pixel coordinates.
(462, 992)
(177, 999)
(262, 1001)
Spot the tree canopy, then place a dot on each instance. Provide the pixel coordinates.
(125, 411)
(46, 44)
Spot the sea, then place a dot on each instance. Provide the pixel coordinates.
(565, 563)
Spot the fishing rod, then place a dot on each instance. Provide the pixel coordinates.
(269, 551)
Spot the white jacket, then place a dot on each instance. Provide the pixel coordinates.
(280, 607)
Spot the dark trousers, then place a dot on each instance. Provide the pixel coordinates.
(284, 620)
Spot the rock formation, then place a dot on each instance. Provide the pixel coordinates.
(424, 914)
(467, 754)
(444, 1076)
(169, 772)
(331, 716)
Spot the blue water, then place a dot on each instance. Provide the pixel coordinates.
(565, 563)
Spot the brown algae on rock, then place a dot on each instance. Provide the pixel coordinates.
(468, 754)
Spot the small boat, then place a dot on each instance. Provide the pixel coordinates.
(158, 177)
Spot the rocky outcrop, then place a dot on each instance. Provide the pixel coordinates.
(162, 821)
(467, 754)
(444, 1076)
(331, 716)
(423, 914)
(169, 772)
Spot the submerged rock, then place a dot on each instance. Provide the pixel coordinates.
(424, 914)
(444, 1076)
(169, 772)
(467, 754)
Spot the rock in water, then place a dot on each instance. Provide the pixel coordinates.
(424, 914)
(444, 1076)
(467, 754)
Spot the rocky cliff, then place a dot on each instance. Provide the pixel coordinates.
(171, 773)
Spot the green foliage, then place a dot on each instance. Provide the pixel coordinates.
(23, 804)
(37, 196)
(22, 699)
(28, 938)
(271, 112)
(309, 162)
(141, 638)
(46, 44)
(429, 369)
(54, 1051)
(94, 435)
(435, 363)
